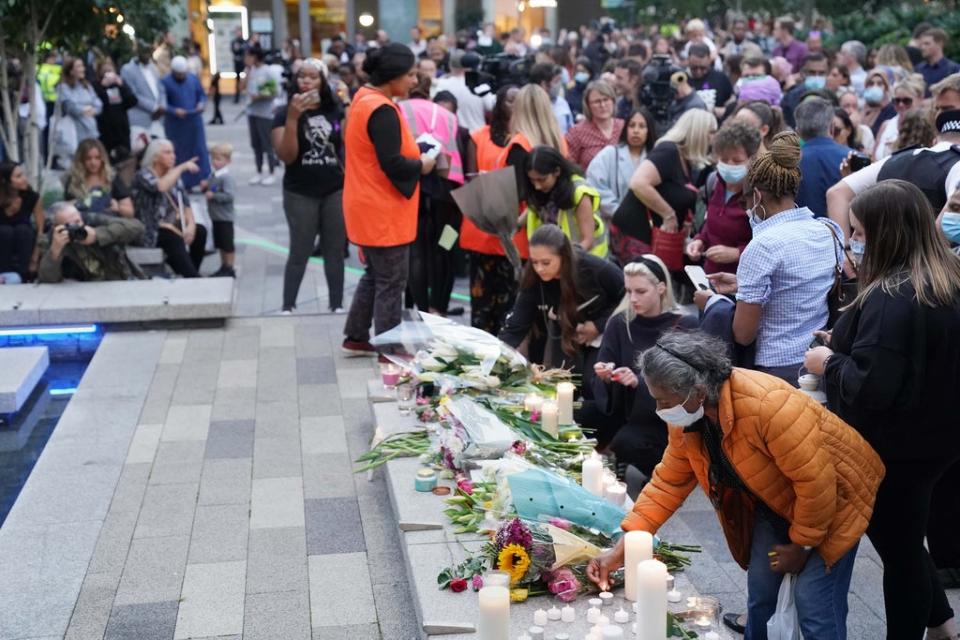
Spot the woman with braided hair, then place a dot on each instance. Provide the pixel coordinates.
(787, 270)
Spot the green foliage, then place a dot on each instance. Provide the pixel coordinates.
(895, 25)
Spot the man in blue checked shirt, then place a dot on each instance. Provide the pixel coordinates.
(788, 268)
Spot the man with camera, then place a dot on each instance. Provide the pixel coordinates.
(88, 248)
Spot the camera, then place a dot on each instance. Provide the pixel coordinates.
(658, 90)
(76, 232)
(497, 71)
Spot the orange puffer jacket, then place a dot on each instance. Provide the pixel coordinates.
(802, 461)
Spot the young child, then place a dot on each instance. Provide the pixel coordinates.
(219, 190)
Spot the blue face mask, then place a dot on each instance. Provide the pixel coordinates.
(950, 223)
(873, 95)
(813, 83)
(857, 249)
(581, 76)
(732, 173)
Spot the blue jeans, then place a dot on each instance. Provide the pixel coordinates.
(821, 596)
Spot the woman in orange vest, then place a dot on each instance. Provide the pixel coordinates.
(381, 193)
(493, 285)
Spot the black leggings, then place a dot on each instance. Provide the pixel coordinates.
(432, 267)
(183, 262)
(16, 247)
(912, 594)
(943, 529)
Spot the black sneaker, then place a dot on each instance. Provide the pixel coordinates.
(224, 272)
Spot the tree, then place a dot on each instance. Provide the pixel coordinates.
(26, 26)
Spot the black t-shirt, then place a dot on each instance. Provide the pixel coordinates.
(717, 81)
(23, 215)
(665, 156)
(98, 199)
(318, 169)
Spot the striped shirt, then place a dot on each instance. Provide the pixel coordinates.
(788, 268)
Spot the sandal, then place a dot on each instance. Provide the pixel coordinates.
(736, 621)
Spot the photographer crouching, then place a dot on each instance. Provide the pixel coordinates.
(88, 248)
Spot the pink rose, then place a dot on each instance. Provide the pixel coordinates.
(477, 581)
(564, 584)
(458, 584)
(519, 447)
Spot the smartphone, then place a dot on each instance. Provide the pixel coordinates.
(859, 161)
(698, 277)
(313, 97)
(817, 342)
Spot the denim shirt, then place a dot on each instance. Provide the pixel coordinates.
(788, 268)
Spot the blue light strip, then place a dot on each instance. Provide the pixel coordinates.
(49, 331)
(63, 392)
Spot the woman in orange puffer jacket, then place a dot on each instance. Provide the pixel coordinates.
(793, 485)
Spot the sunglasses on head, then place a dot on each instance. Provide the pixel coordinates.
(904, 101)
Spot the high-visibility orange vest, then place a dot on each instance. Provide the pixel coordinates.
(375, 213)
(471, 238)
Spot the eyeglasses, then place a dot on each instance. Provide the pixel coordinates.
(904, 101)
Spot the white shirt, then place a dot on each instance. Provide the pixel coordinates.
(470, 107)
(867, 177)
(889, 132)
(150, 76)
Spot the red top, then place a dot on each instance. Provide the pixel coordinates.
(586, 140)
(726, 224)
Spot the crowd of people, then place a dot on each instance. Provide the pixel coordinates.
(801, 193)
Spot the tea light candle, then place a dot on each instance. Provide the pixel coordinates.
(565, 401)
(621, 616)
(674, 596)
(651, 580)
(540, 617)
(638, 546)
(711, 635)
(390, 374)
(703, 622)
(549, 418)
(612, 632)
(568, 614)
(553, 613)
(592, 475)
(593, 615)
(615, 493)
(494, 623)
(595, 602)
(603, 621)
(533, 402)
(562, 636)
(536, 633)
(606, 598)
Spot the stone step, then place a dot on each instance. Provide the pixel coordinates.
(376, 392)
(388, 421)
(118, 302)
(20, 370)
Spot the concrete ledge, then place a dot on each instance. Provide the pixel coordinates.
(20, 370)
(117, 302)
(145, 255)
(376, 392)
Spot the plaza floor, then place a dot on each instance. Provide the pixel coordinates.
(199, 484)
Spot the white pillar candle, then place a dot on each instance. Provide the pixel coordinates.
(540, 617)
(592, 475)
(494, 623)
(621, 616)
(553, 613)
(549, 418)
(533, 402)
(568, 614)
(637, 547)
(565, 401)
(615, 493)
(651, 582)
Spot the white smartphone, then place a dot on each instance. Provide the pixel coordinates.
(698, 277)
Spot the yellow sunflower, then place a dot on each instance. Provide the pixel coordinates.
(514, 560)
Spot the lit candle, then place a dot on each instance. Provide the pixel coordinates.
(651, 580)
(568, 614)
(593, 614)
(615, 493)
(703, 621)
(553, 613)
(637, 547)
(533, 402)
(494, 623)
(540, 617)
(606, 598)
(390, 374)
(621, 616)
(592, 475)
(565, 401)
(549, 418)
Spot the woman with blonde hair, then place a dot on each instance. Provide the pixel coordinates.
(907, 96)
(93, 184)
(664, 181)
(625, 412)
(895, 57)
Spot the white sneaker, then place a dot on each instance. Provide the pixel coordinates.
(269, 180)
(257, 179)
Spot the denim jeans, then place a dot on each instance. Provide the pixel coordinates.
(378, 298)
(821, 596)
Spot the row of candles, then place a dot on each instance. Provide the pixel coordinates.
(553, 413)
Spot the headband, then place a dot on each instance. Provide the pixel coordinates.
(654, 268)
(677, 356)
(949, 121)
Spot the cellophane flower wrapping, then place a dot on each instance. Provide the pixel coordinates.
(486, 435)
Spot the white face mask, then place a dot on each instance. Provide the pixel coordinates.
(678, 416)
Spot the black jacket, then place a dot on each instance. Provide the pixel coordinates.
(599, 285)
(895, 375)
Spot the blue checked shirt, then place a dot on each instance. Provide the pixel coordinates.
(788, 268)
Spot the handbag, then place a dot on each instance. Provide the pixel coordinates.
(842, 292)
(668, 246)
(784, 624)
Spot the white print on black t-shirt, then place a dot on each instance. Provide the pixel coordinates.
(321, 152)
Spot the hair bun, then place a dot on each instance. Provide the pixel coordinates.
(372, 60)
(785, 149)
